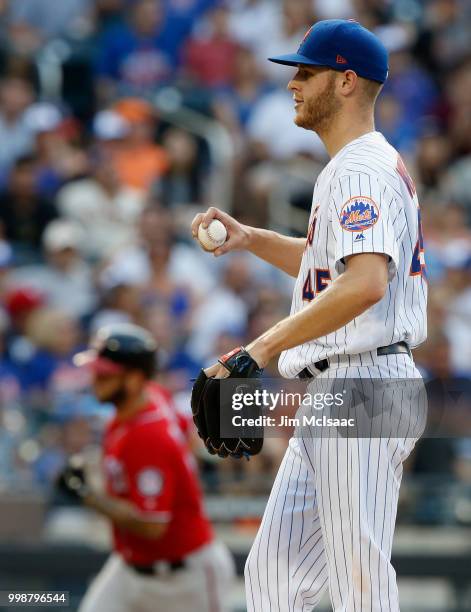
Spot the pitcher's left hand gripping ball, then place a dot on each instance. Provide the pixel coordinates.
(211, 408)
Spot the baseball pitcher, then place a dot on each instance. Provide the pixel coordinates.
(358, 308)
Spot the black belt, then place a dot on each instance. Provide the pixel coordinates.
(160, 567)
(392, 349)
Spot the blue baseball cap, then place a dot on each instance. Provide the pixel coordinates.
(341, 44)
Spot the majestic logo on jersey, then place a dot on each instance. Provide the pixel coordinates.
(359, 238)
(358, 214)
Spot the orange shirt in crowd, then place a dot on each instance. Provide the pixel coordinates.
(139, 165)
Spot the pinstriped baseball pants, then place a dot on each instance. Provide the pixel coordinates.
(330, 518)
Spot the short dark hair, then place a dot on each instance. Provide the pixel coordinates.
(370, 90)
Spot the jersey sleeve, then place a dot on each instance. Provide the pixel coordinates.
(365, 218)
(152, 463)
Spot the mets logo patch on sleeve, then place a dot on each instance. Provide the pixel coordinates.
(358, 214)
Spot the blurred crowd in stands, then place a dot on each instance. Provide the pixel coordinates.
(99, 183)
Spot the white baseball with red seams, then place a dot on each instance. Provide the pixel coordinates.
(213, 236)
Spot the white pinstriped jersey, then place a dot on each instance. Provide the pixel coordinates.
(364, 202)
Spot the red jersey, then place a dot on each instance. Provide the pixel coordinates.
(163, 400)
(148, 465)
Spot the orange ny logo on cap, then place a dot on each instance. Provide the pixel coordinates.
(307, 34)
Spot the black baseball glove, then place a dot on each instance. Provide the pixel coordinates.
(212, 407)
(72, 482)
